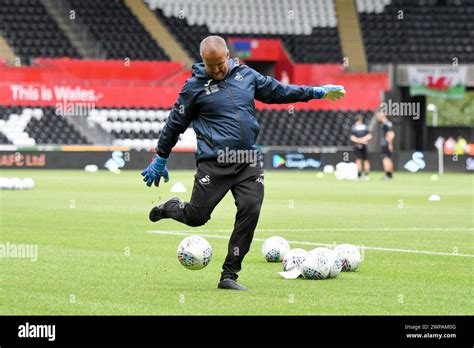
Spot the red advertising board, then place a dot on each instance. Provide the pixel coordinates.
(157, 84)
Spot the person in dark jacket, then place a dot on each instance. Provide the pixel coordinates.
(386, 144)
(218, 100)
(360, 136)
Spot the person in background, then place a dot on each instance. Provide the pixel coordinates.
(386, 144)
(460, 146)
(449, 146)
(361, 136)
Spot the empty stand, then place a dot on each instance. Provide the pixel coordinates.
(418, 31)
(14, 123)
(138, 128)
(31, 32)
(141, 128)
(35, 126)
(306, 127)
(119, 32)
(307, 28)
(4, 139)
(253, 17)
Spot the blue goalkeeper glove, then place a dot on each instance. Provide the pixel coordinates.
(331, 92)
(156, 169)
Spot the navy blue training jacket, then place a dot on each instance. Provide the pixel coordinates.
(223, 112)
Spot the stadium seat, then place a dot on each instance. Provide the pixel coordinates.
(308, 29)
(306, 128)
(278, 128)
(31, 31)
(25, 126)
(430, 31)
(137, 128)
(117, 30)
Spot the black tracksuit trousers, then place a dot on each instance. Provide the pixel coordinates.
(211, 183)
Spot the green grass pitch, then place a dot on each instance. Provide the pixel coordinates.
(96, 254)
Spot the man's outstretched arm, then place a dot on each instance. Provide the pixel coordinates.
(270, 91)
(178, 121)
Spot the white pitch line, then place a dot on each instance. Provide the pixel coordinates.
(348, 229)
(185, 233)
(372, 229)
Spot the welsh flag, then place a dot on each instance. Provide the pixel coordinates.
(444, 82)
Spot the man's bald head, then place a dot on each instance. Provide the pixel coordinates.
(215, 55)
(212, 45)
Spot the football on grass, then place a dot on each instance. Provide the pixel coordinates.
(335, 261)
(194, 252)
(275, 248)
(317, 264)
(350, 256)
(293, 259)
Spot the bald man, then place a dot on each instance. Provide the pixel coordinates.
(219, 102)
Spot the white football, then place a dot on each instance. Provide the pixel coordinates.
(336, 263)
(317, 264)
(275, 248)
(194, 252)
(293, 259)
(16, 183)
(4, 183)
(7, 184)
(28, 183)
(350, 256)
